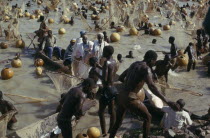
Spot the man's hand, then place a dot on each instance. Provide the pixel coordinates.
(173, 105)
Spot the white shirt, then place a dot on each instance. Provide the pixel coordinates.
(82, 49)
(175, 119)
(98, 48)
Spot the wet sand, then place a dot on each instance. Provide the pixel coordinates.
(25, 82)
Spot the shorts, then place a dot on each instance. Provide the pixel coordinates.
(67, 62)
(108, 94)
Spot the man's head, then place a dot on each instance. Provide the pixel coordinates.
(119, 57)
(41, 18)
(181, 103)
(73, 41)
(88, 85)
(82, 33)
(150, 58)
(108, 51)
(171, 39)
(93, 61)
(166, 58)
(190, 44)
(130, 53)
(100, 37)
(1, 95)
(105, 33)
(84, 39)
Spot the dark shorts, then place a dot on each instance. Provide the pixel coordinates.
(108, 94)
(67, 62)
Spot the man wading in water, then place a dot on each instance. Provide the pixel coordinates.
(74, 103)
(108, 92)
(133, 80)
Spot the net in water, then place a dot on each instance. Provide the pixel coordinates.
(63, 82)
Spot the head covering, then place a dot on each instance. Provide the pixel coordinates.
(82, 32)
(73, 40)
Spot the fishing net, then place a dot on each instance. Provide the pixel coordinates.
(80, 69)
(4, 119)
(63, 82)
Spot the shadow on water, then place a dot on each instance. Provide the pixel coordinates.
(202, 71)
(48, 108)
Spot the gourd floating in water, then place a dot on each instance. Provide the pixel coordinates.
(16, 63)
(20, 44)
(3, 45)
(115, 37)
(38, 71)
(93, 132)
(7, 73)
(133, 31)
(62, 31)
(38, 62)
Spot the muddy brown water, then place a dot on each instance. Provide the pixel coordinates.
(25, 82)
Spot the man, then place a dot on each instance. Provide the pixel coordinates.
(42, 32)
(5, 107)
(99, 46)
(109, 92)
(49, 45)
(162, 68)
(83, 50)
(94, 74)
(176, 118)
(173, 52)
(133, 80)
(207, 22)
(75, 103)
(192, 58)
(68, 54)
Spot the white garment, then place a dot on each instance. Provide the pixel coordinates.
(175, 119)
(80, 51)
(98, 48)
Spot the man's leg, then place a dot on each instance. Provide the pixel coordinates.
(112, 115)
(66, 129)
(194, 64)
(49, 51)
(139, 109)
(189, 65)
(119, 118)
(102, 107)
(58, 52)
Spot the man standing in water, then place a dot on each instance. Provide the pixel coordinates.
(75, 104)
(133, 80)
(173, 52)
(109, 92)
(191, 54)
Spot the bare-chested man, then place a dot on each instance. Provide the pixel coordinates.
(162, 67)
(5, 107)
(74, 103)
(192, 57)
(133, 80)
(173, 52)
(109, 92)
